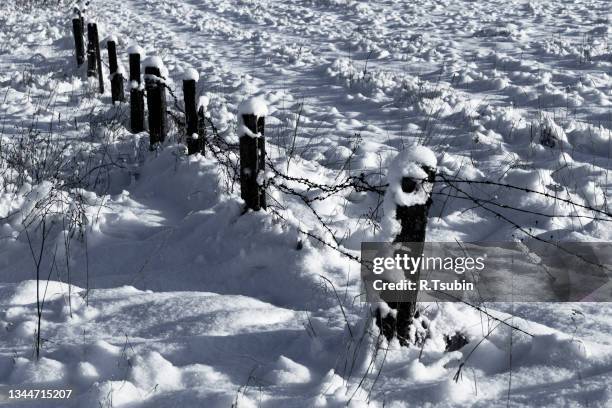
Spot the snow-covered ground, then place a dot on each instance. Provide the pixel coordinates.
(177, 299)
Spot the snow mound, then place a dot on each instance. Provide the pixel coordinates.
(25, 292)
(153, 370)
(113, 393)
(45, 371)
(287, 371)
(558, 349)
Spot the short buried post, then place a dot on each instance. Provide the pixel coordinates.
(77, 31)
(116, 73)
(136, 91)
(411, 177)
(252, 114)
(156, 99)
(195, 141)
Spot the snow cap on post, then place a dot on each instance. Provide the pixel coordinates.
(191, 74)
(156, 62)
(136, 49)
(111, 38)
(253, 106)
(412, 164)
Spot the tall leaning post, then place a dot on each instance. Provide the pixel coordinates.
(195, 141)
(136, 91)
(116, 74)
(412, 220)
(252, 117)
(77, 32)
(156, 99)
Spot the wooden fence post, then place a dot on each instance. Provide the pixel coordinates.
(201, 128)
(77, 32)
(136, 91)
(413, 222)
(99, 61)
(94, 60)
(156, 100)
(92, 66)
(252, 152)
(116, 75)
(195, 140)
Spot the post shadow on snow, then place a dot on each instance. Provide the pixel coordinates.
(314, 83)
(166, 259)
(58, 66)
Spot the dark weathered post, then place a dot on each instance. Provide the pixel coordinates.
(99, 61)
(92, 65)
(79, 46)
(201, 128)
(136, 91)
(94, 60)
(116, 74)
(194, 139)
(412, 220)
(156, 99)
(252, 152)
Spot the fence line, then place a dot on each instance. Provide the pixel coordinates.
(201, 135)
(252, 161)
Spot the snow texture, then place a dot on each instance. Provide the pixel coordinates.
(112, 38)
(173, 297)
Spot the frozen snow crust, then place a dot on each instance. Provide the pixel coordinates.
(192, 303)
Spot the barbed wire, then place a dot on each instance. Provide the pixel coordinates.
(308, 191)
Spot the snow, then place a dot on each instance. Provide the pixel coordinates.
(136, 49)
(251, 106)
(173, 296)
(121, 70)
(154, 61)
(203, 102)
(112, 38)
(191, 74)
(287, 371)
(255, 105)
(409, 163)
